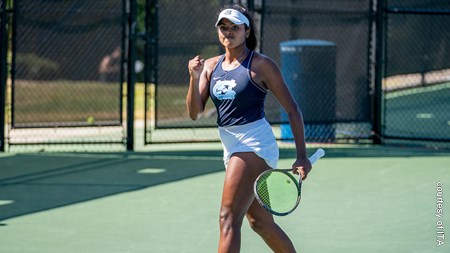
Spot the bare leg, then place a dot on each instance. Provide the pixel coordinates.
(238, 201)
(262, 222)
(237, 197)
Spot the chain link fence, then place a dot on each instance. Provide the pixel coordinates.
(416, 89)
(67, 72)
(185, 29)
(345, 76)
(69, 66)
(331, 83)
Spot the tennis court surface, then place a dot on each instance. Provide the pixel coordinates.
(357, 199)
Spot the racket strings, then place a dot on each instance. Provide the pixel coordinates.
(278, 191)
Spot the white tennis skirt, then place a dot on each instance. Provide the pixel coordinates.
(254, 137)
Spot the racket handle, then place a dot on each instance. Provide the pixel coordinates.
(317, 155)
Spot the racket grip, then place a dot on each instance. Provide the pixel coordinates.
(317, 155)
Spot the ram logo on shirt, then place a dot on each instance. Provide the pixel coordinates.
(224, 89)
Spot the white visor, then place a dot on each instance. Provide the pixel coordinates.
(234, 16)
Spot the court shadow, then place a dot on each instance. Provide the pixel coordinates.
(36, 182)
(41, 181)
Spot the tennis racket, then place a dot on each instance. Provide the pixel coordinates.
(278, 191)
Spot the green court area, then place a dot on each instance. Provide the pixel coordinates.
(422, 112)
(166, 199)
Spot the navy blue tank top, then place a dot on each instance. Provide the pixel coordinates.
(237, 98)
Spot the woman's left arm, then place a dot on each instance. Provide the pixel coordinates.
(269, 74)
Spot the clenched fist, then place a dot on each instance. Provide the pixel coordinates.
(195, 66)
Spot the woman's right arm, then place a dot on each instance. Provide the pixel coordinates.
(198, 92)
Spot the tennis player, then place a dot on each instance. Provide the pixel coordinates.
(238, 82)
